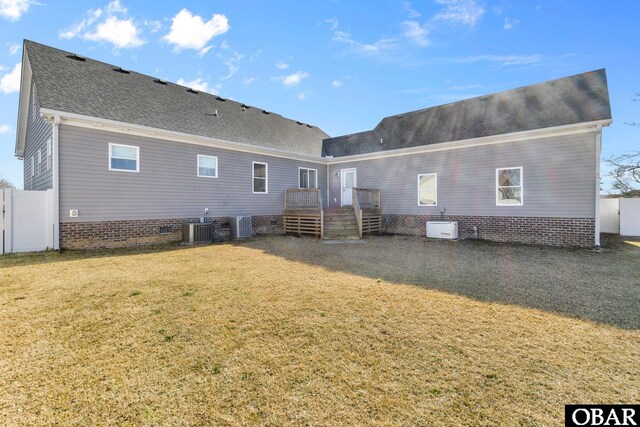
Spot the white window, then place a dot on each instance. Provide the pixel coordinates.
(124, 158)
(49, 153)
(207, 166)
(428, 189)
(308, 178)
(260, 178)
(509, 187)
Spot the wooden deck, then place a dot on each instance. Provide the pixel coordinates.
(303, 212)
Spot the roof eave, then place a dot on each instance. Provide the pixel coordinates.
(23, 104)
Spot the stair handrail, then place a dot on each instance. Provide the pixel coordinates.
(357, 210)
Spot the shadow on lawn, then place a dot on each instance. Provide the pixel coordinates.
(602, 287)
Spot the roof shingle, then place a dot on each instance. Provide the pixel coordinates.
(97, 89)
(576, 99)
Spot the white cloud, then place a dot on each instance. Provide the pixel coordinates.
(337, 84)
(14, 9)
(6, 129)
(293, 79)
(466, 12)
(224, 45)
(115, 7)
(382, 45)
(190, 31)
(411, 12)
(10, 82)
(250, 80)
(75, 30)
(510, 23)
(198, 84)
(303, 95)
(333, 23)
(103, 25)
(416, 33)
(502, 59)
(281, 65)
(202, 52)
(122, 33)
(14, 48)
(233, 63)
(154, 26)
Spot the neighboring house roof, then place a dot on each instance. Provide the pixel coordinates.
(570, 100)
(92, 88)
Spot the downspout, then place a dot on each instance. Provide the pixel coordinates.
(597, 213)
(328, 186)
(56, 184)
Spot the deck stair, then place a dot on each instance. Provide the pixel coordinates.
(340, 224)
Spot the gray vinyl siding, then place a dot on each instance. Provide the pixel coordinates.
(37, 134)
(167, 185)
(559, 178)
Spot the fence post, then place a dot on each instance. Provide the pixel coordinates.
(1, 221)
(8, 223)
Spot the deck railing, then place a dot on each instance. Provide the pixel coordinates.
(367, 208)
(368, 198)
(357, 210)
(302, 198)
(303, 211)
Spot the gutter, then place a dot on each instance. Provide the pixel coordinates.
(597, 188)
(56, 183)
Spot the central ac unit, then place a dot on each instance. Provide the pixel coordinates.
(442, 229)
(241, 227)
(196, 233)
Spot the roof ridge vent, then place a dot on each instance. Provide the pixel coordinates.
(266, 112)
(76, 57)
(160, 82)
(221, 99)
(245, 107)
(300, 123)
(214, 114)
(192, 90)
(121, 70)
(309, 126)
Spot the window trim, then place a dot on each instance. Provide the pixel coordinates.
(510, 186)
(33, 166)
(435, 175)
(113, 144)
(266, 177)
(308, 169)
(39, 163)
(198, 157)
(49, 158)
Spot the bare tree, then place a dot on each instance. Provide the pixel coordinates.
(6, 184)
(626, 173)
(637, 99)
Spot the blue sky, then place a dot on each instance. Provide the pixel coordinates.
(340, 65)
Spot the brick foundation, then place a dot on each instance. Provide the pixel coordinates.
(127, 233)
(530, 230)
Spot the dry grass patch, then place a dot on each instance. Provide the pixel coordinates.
(247, 335)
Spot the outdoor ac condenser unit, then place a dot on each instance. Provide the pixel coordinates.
(196, 233)
(442, 229)
(241, 227)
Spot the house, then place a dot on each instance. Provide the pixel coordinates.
(131, 157)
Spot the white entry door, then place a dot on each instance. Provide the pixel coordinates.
(347, 183)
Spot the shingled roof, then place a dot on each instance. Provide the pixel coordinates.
(92, 88)
(570, 100)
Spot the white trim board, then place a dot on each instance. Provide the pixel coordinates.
(149, 132)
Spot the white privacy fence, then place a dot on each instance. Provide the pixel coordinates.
(620, 216)
(27, 220)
